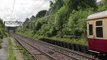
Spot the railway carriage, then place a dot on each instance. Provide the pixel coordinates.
(97, 32)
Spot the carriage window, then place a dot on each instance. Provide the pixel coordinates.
(90, 29)
(99, 32)
(99, 29)
(98, 23)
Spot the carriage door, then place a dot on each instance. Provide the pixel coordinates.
(99, 34)
(91, 41)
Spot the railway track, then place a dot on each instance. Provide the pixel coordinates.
(44, 51)
(36, 53)
(74, 54)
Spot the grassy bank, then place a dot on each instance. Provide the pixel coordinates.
(11, 55)
(1, 43)
(11, 52)
(82, 40)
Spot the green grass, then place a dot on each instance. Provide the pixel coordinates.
(1, 43)
(81, 41)
(11, 55)
(26, 33)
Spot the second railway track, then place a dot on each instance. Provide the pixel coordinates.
(44, 51)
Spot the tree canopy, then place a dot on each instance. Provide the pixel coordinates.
(2, 28)
(41, 14)
(65, 17)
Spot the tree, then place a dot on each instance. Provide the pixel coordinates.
(103, 6)
(65, 17)
(41, 14)
(2, 28)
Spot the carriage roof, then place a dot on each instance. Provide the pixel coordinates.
(97, 15)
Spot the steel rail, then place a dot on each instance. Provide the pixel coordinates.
(20, 41)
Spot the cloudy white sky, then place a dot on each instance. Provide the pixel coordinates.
(22, 9)
(98, 0)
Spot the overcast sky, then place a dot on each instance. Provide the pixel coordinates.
(22, 9)
(98, 0)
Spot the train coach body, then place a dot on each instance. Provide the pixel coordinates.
(97, 32)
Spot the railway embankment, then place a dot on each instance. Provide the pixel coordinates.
(16, 51)
(11, 53)
(70, 39)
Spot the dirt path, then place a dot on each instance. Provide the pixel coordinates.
(4, 50)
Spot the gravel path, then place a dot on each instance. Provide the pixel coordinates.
(3, 50)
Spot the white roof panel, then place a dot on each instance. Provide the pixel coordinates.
(98, 15)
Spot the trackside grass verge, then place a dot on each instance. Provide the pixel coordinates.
(11, 55)
(1, 43)
(24, 52)
(81, 41)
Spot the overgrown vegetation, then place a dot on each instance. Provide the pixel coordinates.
(11, 55)
(2, 32)
(2, 29)
(1, 43)
(65, 18)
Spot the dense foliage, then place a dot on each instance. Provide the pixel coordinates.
(65, 18)
(103, 5)
(2, 28)
(41, 14)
